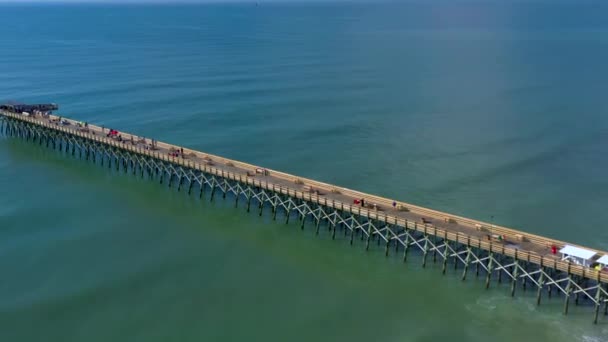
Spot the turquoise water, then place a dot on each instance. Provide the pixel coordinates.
(494, 111)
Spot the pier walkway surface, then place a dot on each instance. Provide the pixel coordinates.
(488, 238)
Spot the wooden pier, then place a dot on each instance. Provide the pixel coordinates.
(496, 252)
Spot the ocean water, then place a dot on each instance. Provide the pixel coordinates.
(493, 110)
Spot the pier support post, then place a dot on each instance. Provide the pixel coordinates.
(515, 274)
(190, 184)
(490, 269)
(551, 277)
(435, 247)
(501, 268)
(318, 220)
(335, 228)
(541, 281)
(397, 239)
(567, 299)
(261, 207)
(425, 251)
(598, 301)
(477, 262)
(446, 250)
(406, 245)
(467, 260)
(352, 234)
(524, 280)
(179, 184)
(212, 190)
(605, 301)
(388, 240)
(369, 235)
(288, 212)
(304, 220)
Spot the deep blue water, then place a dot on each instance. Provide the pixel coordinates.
(493, 110)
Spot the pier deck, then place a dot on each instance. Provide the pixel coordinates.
(424, 223)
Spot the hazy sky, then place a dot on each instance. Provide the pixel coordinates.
(143, 1)
(134, 1)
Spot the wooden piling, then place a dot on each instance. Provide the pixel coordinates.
(425, 250)
(261, 208)
(318, 224)
(540, 287)
(515, 273)
(179, 185)
(445, 254)
(467, 260)
(489, 273)
(388, 241)
(598, 302)
(190, 184)
(303, 221)
(568, 289)
(567, 295)
(288, 212)
(500, 270)
(369, 235)
(435, 246)
(212, 191)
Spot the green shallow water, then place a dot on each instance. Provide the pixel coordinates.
(435, 104)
